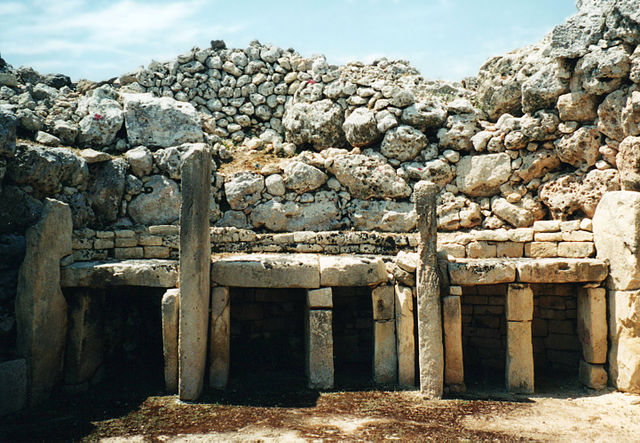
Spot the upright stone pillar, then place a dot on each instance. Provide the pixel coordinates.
(452, 327)
(219, 338)
(405, 336)
(519, 365)
(170, 327)
(616, 233)
(319, 338)
(385, 357)
(195, 270)
(41, 309)
(431, 354)
(592, 333)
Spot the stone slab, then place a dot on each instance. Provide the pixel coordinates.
(472, 272)
(453, 357)
(519, 368)
(624, 340)
(561, 270)
(266, 270)
(351, 270)
(219, 338)
(13, 386)
(383, 301)
(102, 274)
(319, 349)
(385, 357)
(405, 336)
(320, 298)
(592, 324)
(592, 376)
(170, 324)
(519, 306)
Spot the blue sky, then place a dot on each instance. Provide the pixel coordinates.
(446, 39)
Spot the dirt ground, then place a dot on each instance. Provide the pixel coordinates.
(288, 412)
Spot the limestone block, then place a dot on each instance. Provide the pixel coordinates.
(407, 261)
(267, 271)
(519, 368)
(319, 352)
(151, 273)
(85, 347)
(592, 376)
(385, 357)
(219, 344)
(509, 249)
(481, 272)
(519, 305)
(320, 298)
(575, 249)
(616, 232)
(170, 323)
(541, 249)
(41, 309)
(453, 358)
(405, 338)
(345, 270)
(624, 338)
(382, 299)
(592, 324)
(561, 270)
(13, 386)
(195, 265)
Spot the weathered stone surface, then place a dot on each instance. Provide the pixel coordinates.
(516, 214)
(405, 338)
(160, 205)
(321, 298)
(482, 175)
(387, 216)
(580, 149)
(425, 115)
(628, 162)
(160, 121)
(361, 128)
(170, 326)
(382, 300)
(319, 349)
(140, 160)
(616, 233)
(592, 376)
(561, 270)
(458, 132)
(154, 273)
(624, 333)
(519, 306)
(430, 353)
(103, 118)
(610, 114)
(301, 177)
(41, 309)
(195, 266)
(407, 261)
(577, 106)
(243, 189)
(537, 164)
(85, 347)
(519, 367)
(631, 114)
(267, 271)
(220, 338)
(385, 357)
(351, 270)
(572, 38)
(13, 386)
(290, 216)
(601, 70)
(367, 177)
(465, 272)
(318, 124)
(403, 143)
(542, 89)
(592, 324)
(8, 123)
(453, 358)
(106, 189)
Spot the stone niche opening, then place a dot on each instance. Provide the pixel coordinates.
(352, 336)
(556, 347)
(114, 339)
(267, 337)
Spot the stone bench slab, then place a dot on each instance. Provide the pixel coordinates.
(151, 273)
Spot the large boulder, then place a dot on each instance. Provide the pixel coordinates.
(631, 114)
(8, 123)
(243, 189)
(482, 175)
(624, 336)
(388, 216)
(318, 124)
(36, 167)
(288, 216)
(106, 189)
(573, 38)
(361, 127)
(542, 89)
(367, 177)
(610, 114)
(577, 106)
(403, 143)
(301, 177)
(602, 70)
(159, 204)
(425, 115)
(580, 149)
(628, 162)
(140, 160)
(537, 164)
(164, 122)
(102, 118)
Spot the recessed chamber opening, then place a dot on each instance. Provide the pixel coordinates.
(267, 338)
(352, 336)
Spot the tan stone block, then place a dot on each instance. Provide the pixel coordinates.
(164, 230)
(81, 243)
(452, 326)
(491, 235)
(170, 318)
(467, 272)
(586, 224)
(509, 249)
(319, 350)
(624, 335)
(575, 249)
(592, 324)
(519, 306)
(382, 299)
(455, 250)
(100, 243)
(521, 235)
(455, 290)
(351, 271)
(405, 337)
(319, 298)
(519, 366)
(156, 252)
(569, 225)
(109, 235)
(547, 236)
(149, 240)
(407, 261)
(219, 350)
(481, 249)
(561, 270)
(385, 357)
(128, 253)
(124, 233)
(546, 225)
(592, 376)
(541, 249)
(126, 242)
(577, 236)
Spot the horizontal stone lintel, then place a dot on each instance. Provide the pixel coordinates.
(472, 272)
(140, 272)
